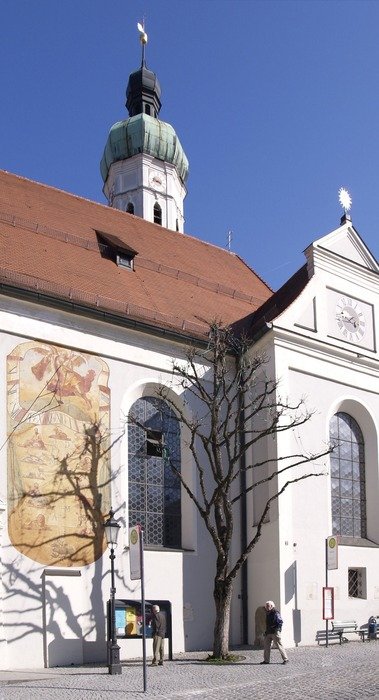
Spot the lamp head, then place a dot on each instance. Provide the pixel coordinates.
(112, 528)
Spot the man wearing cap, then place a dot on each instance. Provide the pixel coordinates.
(273, 631)
(159, 632)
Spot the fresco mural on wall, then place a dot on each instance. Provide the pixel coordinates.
(58, 453)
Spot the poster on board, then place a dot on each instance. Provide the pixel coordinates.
(327, 603)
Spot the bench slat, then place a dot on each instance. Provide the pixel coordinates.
(343, 627)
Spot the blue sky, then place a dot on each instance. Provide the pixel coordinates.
(276, 104)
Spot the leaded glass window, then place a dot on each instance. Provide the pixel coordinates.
(154, 488)
(347, 463)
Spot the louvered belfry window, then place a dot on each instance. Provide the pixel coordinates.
(154, 489)
(347, 466)
(157, 214)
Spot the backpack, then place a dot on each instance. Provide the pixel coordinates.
(278, 619)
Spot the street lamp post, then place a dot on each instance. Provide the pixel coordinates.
(112, 529)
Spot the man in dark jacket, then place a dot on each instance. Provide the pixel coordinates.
(159, 632)
(273, 631)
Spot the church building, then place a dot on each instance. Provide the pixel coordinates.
(96, 303)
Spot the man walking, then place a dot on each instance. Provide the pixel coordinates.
(159, 632)
(273, 631)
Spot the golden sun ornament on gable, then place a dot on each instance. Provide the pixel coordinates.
(344, 199)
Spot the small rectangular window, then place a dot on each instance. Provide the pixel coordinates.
(154, 443)
(357, 583)
(125, 261)
(113, 248)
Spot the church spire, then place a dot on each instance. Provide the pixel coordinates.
(144, 166)
(143, 91)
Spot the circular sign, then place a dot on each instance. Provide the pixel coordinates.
(134, 536)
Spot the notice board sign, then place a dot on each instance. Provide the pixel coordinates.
(327, 603)
(135, 552)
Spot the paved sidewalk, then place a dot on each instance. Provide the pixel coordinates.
(346, 672)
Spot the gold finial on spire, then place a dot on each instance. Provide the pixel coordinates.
(142, 38)
(142, 33)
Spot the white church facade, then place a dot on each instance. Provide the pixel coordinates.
(323, 348)
(96, 302)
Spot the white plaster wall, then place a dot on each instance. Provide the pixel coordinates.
(311, 505)
(332, 375)
(328, 385)
(137, 363)
(263, 562)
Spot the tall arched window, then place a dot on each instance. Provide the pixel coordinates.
(130, 208)
(154, 489)
(348, 477)
(157, 214)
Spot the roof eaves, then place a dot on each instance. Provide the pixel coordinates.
(22, 286)
(279, 301)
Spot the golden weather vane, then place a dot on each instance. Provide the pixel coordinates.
(142, 38)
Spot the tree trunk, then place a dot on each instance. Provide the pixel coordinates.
(223, 597)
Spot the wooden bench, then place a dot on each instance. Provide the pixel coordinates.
(321, 636)
(344, 627)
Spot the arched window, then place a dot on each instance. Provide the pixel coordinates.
(130, 208)
(157, 214)
(154, 489)
(348, 477)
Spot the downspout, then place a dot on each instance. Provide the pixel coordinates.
(243, 525)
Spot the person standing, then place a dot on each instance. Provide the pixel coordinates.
(273, 633)
(159, 632)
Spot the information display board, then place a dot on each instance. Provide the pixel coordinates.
(328, 603)
(128, 618)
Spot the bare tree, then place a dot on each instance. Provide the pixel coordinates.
(238, 409)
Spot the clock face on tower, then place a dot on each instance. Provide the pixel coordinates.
(350, 319)
(156, 180)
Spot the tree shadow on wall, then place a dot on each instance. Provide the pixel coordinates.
(62, 528)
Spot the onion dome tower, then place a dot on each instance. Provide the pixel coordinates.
(144, 167)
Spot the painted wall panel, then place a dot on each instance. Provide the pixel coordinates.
(58, 466)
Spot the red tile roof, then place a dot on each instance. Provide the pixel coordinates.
(49, 244)
(279, 301)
